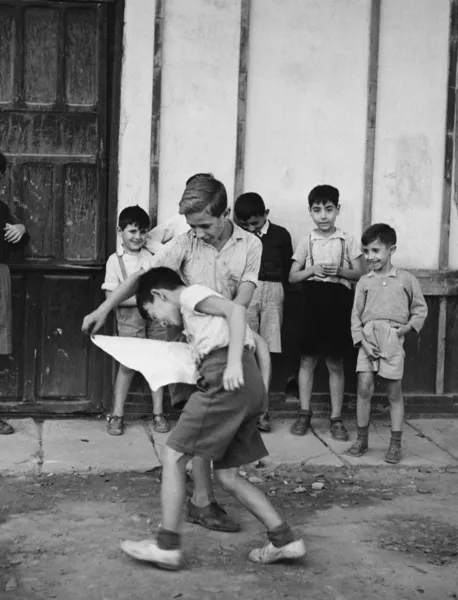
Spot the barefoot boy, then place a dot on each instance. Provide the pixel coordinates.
(218, 422)
(388, 304)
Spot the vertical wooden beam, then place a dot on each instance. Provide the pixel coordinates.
(156, 111)
(371, 115)
(444, 243)
(242, 97)
(441, 339)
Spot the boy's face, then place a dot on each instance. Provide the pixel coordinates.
(133, 238)
(324, 215)
(163, 310)
(254, 224)
(378, 255)
(205, 226)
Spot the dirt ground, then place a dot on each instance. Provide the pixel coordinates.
(387, 533)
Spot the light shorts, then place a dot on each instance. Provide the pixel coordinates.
(390, 365)
(130, 323)
(220, 425)
(265, 313)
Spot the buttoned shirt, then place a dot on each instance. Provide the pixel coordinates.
(221, 270)
(133, 263)
(327, 250)
(394, 296)
(264, 229)
(205, 333)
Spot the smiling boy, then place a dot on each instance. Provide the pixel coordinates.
(388, 304)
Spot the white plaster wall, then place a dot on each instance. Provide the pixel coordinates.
(410, 134)
(136, 99)
(307, 97)
(199, 96)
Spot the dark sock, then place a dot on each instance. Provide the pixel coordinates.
(168, 540)
(363, 432)
(305, 412)
(335, 419)
(281, 535)
(396, 436)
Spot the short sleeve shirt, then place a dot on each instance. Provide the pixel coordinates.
(205, 333)
(328, 250)
(132, 262)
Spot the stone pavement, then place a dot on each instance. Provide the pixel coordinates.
(63, 446)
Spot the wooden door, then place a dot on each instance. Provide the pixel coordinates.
(53, 114)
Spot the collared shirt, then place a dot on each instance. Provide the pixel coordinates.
(205, 333)
(132, 262)
(395, 296)
(221, 270)
(264, 229)
(328, 250)
(166, 232)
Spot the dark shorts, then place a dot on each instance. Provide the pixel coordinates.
(326, 315)
(220, 425)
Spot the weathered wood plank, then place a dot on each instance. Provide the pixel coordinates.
(451, 348)
(81, 29)
(7, 52)
(242, 97)
(450, 122)
(156, 110)
(441, 340)
(371, 115)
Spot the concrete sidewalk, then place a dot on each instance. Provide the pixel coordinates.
(62, 446)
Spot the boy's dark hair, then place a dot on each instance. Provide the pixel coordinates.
(204, 192)
(155, 279)
(379, 231)
(2, 163)
(134, 215)
(249, 205)
(322, 194)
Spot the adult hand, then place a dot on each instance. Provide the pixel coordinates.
(401, 330)
(331, 269)
(233, 377)
(371, 350)
(93, 322)
(14, 233)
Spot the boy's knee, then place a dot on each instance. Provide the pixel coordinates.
(308, 362)
(172, 457)
(394, 392)
(365, 386)
(334, 364)
(227, 477)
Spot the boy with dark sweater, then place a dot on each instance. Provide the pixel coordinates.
(265, 313)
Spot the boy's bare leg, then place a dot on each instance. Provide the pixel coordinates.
(336, 388)
(363, 413)
(124, 377)
(160, 423)
(394, 393)
(282, 541)
(202, 509)
(306, 376)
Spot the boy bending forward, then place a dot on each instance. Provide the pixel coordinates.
(218, 422)
(388, 304)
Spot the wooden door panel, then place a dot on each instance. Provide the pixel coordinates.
(81, 29)
(62, 358)
(7, 49)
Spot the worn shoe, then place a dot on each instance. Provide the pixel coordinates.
(269, 553)
(149, 551)
(339, 431)
(301, 424)
(115, 425)
(5, 428)
(393, 456)
(160, 424)
(211, 517)
(263, 423)
(360, 446)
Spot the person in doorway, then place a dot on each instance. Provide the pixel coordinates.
(14, 236)
(265, 313)
(218, 422)
(388, 304)
(133, 225)
(218, 254)
(327, 261)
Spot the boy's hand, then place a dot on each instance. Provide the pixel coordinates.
(331, 270)
(93, 322)
(401, 330)
(233, 377)
(371, 350)
(318, 271)
(14, 233)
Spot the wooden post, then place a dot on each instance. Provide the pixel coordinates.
(444, 244)
(242, 97)
(372, 82)
(156, 111)
(441, 338)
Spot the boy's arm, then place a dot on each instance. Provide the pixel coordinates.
(356, 314)
(249, 278)
(236, 317)
(263, 359)
(287, 255)
(354, 273)
(299, 272)
(418, 308)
